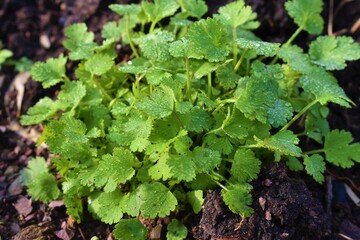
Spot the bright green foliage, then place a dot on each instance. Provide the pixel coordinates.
(99, 64)
(306, 14)
(294, 164)
(113, 170)
(197, 104)
(130, 229)
(193, 8)
(207, 39)
(79, 42)
(4, 54)
(51, 72)
(159, 104)
(245, 165)
(236, 14)
(196, 200)
(331, 53)
(155, 46)
(176, 231)
(155, 200)
(159, 9)
(238, 198)
(315, 166)
(99, 203)
(267, 106)
(283, 143)
(339, 149)
(260, 47)
(41, 184)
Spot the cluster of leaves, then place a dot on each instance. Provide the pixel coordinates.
(201, 103)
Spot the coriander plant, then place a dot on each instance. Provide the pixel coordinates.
(198, 104)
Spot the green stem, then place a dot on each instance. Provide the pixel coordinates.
(102, 90)
(240, 61)
(152, 26)
(295, 34)
(314, 151)
(288, 42)
(299, 114)
(129, 38)
(209, 85)
(188, 77)
(235, 48)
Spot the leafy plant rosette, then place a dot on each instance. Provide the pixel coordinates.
(200, 103)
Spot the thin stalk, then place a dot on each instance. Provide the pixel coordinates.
(299, 114)
(188, 77)
(102, 90)
(288, 42)
(240, 61)
(235, 48)
(314, 151)
(295, 34)
(209, 91)
(152, 26)
(129, 38)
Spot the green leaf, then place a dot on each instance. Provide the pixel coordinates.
(159, 9)
(205, 159)
(112, 30)
(161, 169)
(222, 145)
(125, 9)
(74, 206)
(44, 109)
(196, 200)
(315, 166)
(260, 47)
(339, 149)
(284, 143)
(238, 199)
(238, 126)
(181, 167)
(196, 120)
(315, 79)
(236, 14)
(99, 64)
(295, 57)
(51, 72)
(245, 165)
(306, 14)
(332, 52)
(294, 164)
(70, 96)
(159, 104)
(40, 183)
(155, 46)
(107, 206)
(130, 229)
(207, 39)
(112, 170)
(79, 41)
(4, 54)
(325, 88)
(259, 100)
(193, 8)
(156, 76)
(227, 77)
(176, 230)
(155, 200)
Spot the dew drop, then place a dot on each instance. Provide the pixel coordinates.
(278, 75)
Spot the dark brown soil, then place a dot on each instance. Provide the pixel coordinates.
(287, 205)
